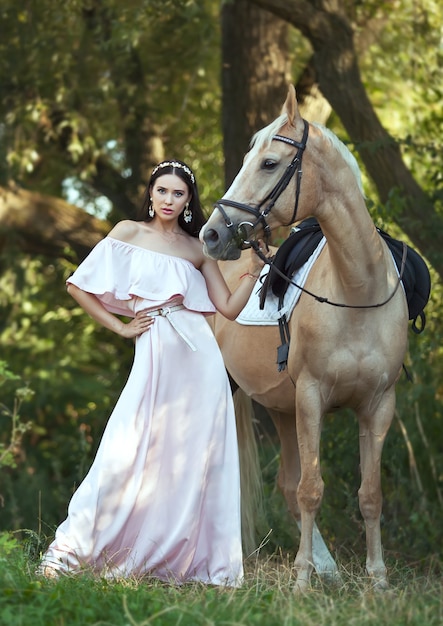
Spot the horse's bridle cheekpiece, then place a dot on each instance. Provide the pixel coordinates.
(261, 215)
(259, 212)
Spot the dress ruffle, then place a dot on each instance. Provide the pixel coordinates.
(120, 282)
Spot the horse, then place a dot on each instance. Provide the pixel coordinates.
(348, 330)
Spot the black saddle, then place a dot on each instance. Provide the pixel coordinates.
(291, 255)
(299, 246)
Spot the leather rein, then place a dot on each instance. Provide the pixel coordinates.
(294, 168)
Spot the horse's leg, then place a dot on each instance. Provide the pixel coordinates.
(311, 486)
(289, 469)
(373, 431)
(288, 481)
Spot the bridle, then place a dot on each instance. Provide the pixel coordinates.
(261, 214)
(262, 210)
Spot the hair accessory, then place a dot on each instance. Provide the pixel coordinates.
(177, 165)
(187, 214)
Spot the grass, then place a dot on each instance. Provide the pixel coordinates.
(266, 598)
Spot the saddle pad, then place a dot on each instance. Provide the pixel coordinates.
(252, 315)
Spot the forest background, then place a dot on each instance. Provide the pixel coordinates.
(92, 94)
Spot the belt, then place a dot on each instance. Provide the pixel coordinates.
(165, 311)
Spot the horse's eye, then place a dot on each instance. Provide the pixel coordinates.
(269, 164)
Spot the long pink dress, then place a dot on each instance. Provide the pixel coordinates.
(162, 497)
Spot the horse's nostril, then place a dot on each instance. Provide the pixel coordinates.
(211, 236)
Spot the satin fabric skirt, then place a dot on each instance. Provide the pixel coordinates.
(162, 497)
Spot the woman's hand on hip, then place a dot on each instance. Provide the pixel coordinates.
(137, 326)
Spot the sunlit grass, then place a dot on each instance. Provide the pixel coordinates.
(267, 598)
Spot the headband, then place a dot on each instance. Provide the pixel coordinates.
(175, 164)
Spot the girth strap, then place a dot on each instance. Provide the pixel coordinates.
(285, 338)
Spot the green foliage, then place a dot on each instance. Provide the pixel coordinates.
(76, 371)
(403, 75)
(8, 545)
(87, 81)
(12, 447)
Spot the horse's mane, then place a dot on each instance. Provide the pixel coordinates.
(344, 152)
(264, 137)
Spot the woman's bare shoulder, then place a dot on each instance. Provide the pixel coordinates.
(125, 230)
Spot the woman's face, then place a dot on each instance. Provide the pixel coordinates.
(169, 195)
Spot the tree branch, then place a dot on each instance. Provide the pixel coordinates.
(39, 224)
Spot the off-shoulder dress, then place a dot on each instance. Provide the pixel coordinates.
(162, 497)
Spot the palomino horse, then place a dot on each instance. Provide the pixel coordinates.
(346, 347)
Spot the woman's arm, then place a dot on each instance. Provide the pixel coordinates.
(92, 305)
(231, 304)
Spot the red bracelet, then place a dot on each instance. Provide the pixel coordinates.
(249, 276)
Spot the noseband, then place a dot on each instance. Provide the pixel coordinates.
(259, 212)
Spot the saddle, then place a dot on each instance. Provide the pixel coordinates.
(299, 246)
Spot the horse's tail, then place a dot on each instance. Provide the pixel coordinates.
(250, 472)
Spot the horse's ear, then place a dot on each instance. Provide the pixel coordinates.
(290, 106)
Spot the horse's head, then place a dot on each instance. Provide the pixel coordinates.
(257, 201)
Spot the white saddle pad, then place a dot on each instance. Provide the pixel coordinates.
(252, 315)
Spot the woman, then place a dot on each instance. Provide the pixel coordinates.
(162, 495)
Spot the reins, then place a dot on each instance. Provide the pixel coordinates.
(324, 300)
(294, 167)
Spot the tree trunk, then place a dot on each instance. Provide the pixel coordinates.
(255, 76)
(330, 33)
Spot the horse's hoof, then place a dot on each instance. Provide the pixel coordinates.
(302, 585)
(379, 584)
(330, 577)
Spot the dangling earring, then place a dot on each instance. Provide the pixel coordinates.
(150, 208)
(187, 214)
